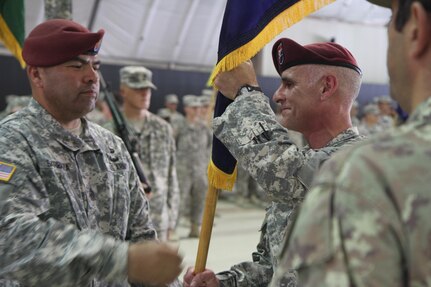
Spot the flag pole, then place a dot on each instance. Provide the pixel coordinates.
(206, 228)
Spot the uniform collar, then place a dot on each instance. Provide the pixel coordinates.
(60, 134)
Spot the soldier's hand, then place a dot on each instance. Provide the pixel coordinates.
(153, 263)
(228, 83)
(203, 279)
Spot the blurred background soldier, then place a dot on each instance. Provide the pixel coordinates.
(354, 114)
(193, 141)
(14, 103)
(388, 117)
(207, 107)
(170, 112)
(370, 121)
(155, 144)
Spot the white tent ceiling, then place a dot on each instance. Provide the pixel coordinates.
(177, 33)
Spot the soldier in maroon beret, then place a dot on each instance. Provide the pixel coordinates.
(366, 221)
(319, 83)
(72, 210)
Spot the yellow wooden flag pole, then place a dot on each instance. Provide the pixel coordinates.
(206, 228)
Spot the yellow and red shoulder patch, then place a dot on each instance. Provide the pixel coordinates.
(6, 171)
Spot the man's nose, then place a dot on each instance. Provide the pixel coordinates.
(278, 96)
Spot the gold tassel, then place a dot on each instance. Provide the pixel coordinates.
(219, 179)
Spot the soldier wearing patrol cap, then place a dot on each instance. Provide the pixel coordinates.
(14, 103)
(71, 202)
(388, 116)
(319, 83)
(170, 113)
(207, 109)
(155, 145)
(193, 151)
(370, 120)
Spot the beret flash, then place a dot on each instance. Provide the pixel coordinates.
(287, 53)
(57, 41)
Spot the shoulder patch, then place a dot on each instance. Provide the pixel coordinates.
(6, 171)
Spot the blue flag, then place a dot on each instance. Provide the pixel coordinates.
(248, 25)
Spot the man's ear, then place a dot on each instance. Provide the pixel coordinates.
(329, 86)
(34, 74)
(419, 30)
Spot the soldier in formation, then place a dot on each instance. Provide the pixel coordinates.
(155, 145)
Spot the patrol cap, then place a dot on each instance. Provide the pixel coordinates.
(164, 113)
(286, 53)
(191, 101)
(137, 77)
(371, 109)
(383, 3)
(56, 41)
(383, 99)
(207, 92)
(15, 102)
(171, 99)
(205, 100)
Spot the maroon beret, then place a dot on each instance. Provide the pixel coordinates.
(57, 41)
(287, 53)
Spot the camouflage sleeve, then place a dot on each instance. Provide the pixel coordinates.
(39, 253)
(173, 188)
(249, 129)
(347, 233)
(251, 274)
(46, 252)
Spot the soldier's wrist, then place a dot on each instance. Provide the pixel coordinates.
(247, 89)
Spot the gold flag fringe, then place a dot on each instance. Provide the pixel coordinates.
(277, 25)
(10, 41)
(219, 179)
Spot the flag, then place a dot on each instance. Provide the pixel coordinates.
(248, 25)
(12, 30)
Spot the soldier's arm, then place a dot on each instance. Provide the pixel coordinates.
(37, 250)
(249, 129)
(251, 273)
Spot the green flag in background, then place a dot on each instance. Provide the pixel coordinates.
(12, 30)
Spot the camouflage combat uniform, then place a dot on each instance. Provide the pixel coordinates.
(175, 119)
(14, 103)
(193, 152)
(58, 9)
(249, 129)
(69, 207)
(366, 221)
(156, 148)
